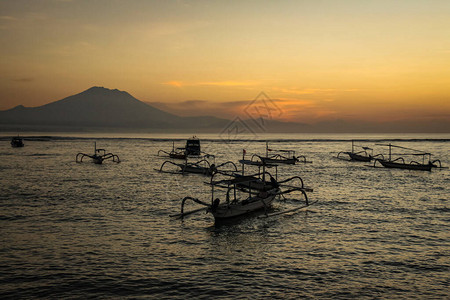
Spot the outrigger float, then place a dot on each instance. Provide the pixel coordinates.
(244, 194)
(16, 142)
(203, 167)
(192, 149)
(98, 157)
(399, 163)
(281, 156)
(366, 154)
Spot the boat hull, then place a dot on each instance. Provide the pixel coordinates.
(197, 170)
(420, 167)
(357, 157)
(16, 143)
(177, 156)
(288, 161)
(226, 211)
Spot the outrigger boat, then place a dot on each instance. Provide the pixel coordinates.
(281, 156)
(364, 155)
(16, 142)
(192, 149)
(245, 194)
(399, 163)
(203, 167)
(98, 157)
(258, 180)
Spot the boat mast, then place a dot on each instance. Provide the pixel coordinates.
(390, 151)
(243, 158)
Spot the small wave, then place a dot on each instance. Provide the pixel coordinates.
(440, 209)
(43, 154)
(12, 218)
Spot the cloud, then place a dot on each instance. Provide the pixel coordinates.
(8, 18)
(174, 83)
(230, 83)
(23, 80)
(212, 83)
(228, 109)
(312, 91)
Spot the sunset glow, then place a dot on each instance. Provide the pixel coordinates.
(317, 60)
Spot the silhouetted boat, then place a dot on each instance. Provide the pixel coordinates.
(203, 167)
(16, 142)
(410, 166)
(362, 155)
(399, 163)
(192, 149)
(98, 157)
(281, 156)
(259, 193)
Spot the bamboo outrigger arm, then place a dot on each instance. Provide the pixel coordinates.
(163, 151)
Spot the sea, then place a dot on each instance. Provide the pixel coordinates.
(73, 230)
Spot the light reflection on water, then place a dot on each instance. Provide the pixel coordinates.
(86, 230)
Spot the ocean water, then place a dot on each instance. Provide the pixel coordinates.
(81, 230)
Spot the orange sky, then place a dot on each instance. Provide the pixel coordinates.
(318, 60)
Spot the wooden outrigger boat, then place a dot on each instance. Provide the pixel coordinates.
(177, 153)
(16, 142)
(258, 180)
(364, 155)
(245, 194)
(399, 163)
(281, 156)
(98, 157)
(203, 167)
(192, 149)
(402, 165)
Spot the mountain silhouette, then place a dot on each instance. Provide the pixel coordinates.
(99, 108)
(102, 107)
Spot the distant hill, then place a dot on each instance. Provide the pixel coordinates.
(102, 107)
(98, 109)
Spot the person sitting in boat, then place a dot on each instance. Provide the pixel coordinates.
(215, 204)
(274, 182)
(212, 169)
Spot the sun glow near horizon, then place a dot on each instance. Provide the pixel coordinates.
(320, 61)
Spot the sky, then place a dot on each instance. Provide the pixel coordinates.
(378, 61)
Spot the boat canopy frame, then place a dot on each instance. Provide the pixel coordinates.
(399, 162)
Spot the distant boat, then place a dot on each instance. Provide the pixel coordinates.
(192, 149)
(98, 157)
(410, 166)
(362, 155)
(280, 156)
(203, 167)
(399, 163)
(16, 142)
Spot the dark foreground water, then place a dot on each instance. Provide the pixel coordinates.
(71, 230)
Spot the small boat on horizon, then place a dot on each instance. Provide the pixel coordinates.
(17, 142)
